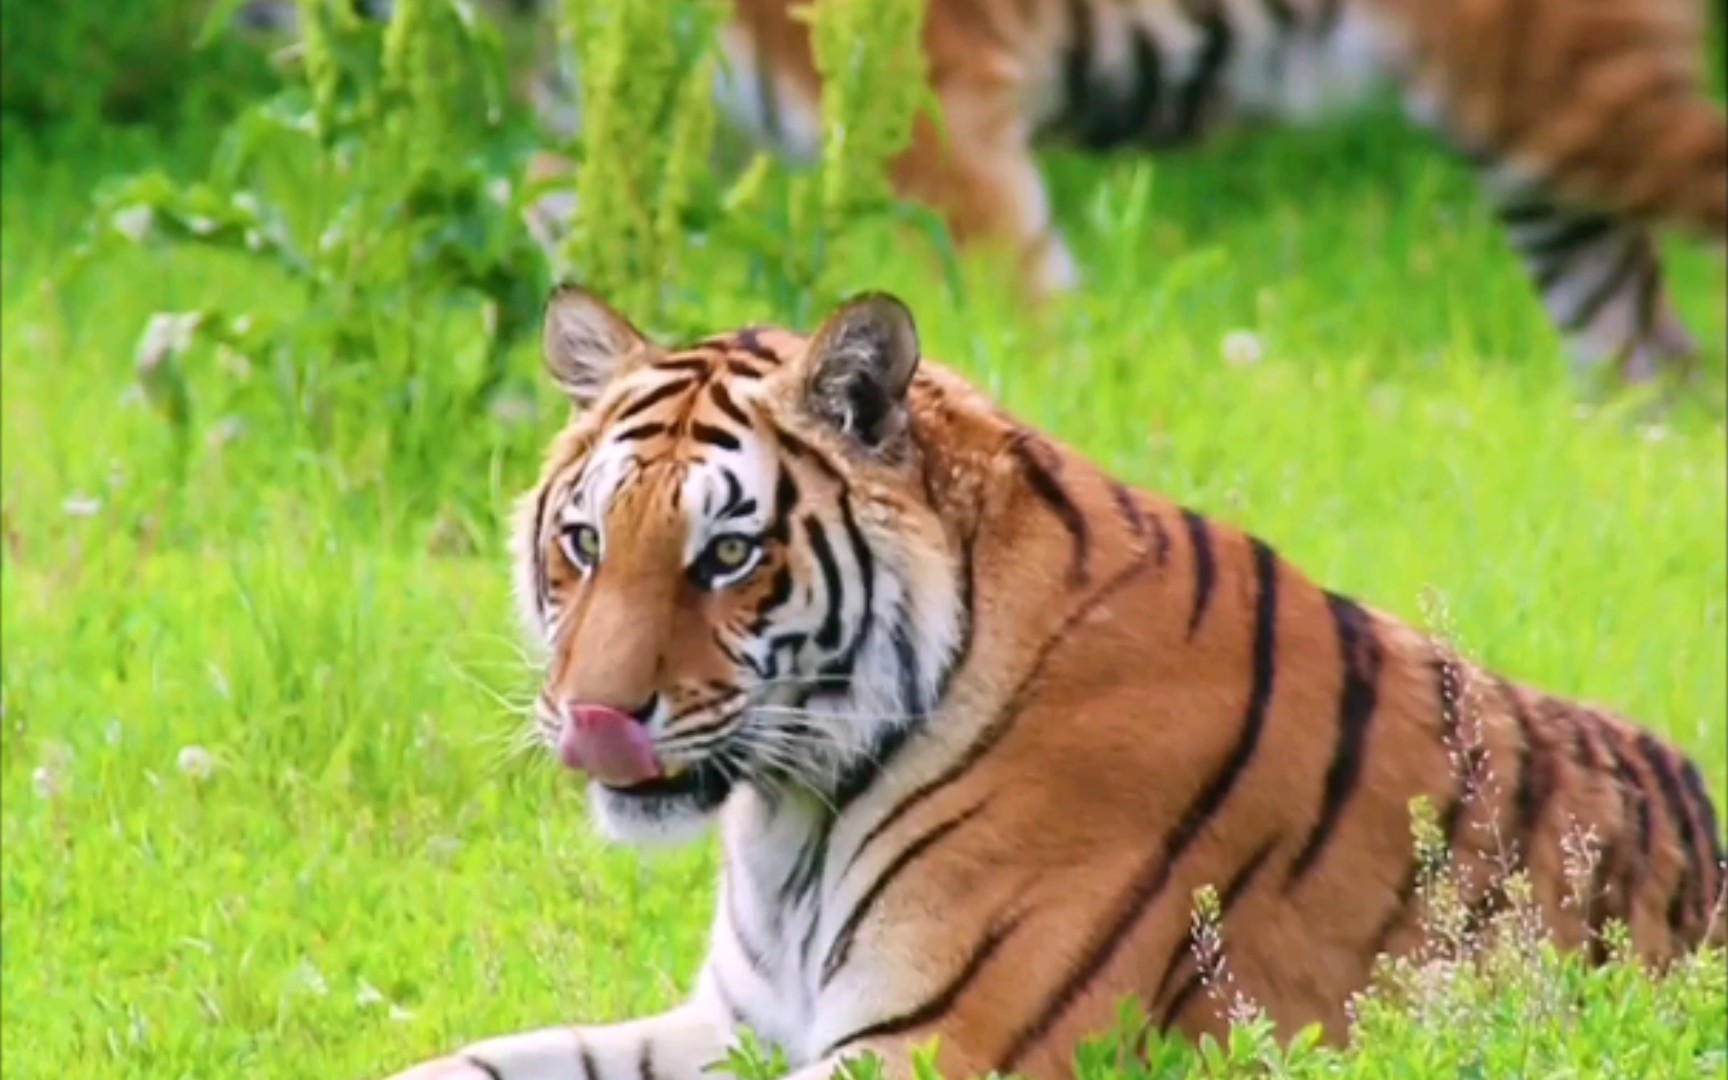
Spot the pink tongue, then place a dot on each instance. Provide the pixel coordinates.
(608, 745)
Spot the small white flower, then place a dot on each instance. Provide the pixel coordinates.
(369, 995)
(306, 978)
(1242, 348)
(225, 431)
(46, 782)
(81, 506)
(112, 732)
(443, 848)
(134, 222)
(196, 763)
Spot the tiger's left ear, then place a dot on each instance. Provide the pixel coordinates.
(586, 343)
(859, 365)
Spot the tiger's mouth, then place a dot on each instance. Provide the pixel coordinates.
(704, 783)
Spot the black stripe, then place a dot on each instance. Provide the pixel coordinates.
(645, 1061)
(999, 727)
(906, 659)
(1151, 879)
(828, 636)
(1129, 507)
(749, 340)
(939, 1003)
(1668, 785)
(687, 363)
(1077, 61)
(1632, 785)
(1612, 282)
(743, 509)
(802, 450)
(767, 99)
(1041, 478)
(1694, 785)
(491, 1071)
(1565, 240)
(1205, 571)
(1148, 83)
(1526, 212)
(866, 562)
(1161, 540)
(1216, 43)
(1634, 803)
(841, 947)
(806, 872)
(779, 592)
(785, 501)
(734, 493)
(1535, 774)
(714, 436)
(590, 1069)
(1190, 987)
(723, 401)
(1233, 891)
(640, 431)
(1359, 653)
(654, 397)
(740, 370)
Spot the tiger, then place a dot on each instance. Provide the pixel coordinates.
(974, 721)
(1587, 124)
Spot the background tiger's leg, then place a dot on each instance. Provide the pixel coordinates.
(1599, 108)
(1600, 280)
(981, 176)
(674, 1045)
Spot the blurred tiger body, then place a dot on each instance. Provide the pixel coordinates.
(1587, 122)
(976, 721)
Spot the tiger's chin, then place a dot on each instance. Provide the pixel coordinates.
(666, 812)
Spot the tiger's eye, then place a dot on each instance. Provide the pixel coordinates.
(730, 552)
(585, 544)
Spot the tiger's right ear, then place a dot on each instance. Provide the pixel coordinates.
(586, 343)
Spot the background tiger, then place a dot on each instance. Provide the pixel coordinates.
(1586, 120)
(976, 720)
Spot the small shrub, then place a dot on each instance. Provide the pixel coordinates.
(400, 131)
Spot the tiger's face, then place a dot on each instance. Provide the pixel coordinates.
(721, 560)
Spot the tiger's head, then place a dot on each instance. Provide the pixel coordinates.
(734, 564)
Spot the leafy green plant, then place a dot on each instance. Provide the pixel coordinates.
(647, 66)
(399, 132)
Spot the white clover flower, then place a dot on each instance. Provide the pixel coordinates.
(196, 763)
(1242, 348)
(46, 782)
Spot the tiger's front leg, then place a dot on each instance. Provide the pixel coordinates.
(674, 1045)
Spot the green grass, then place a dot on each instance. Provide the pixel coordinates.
(370, 877)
